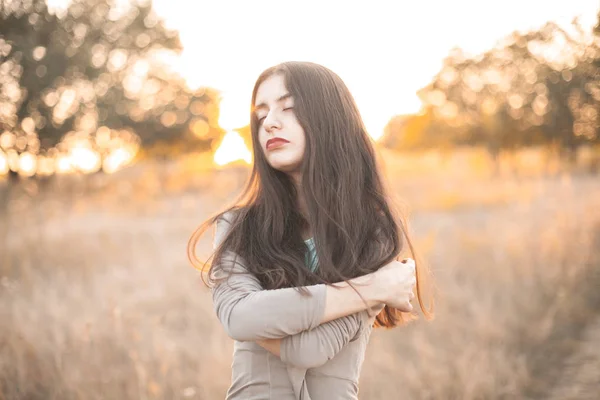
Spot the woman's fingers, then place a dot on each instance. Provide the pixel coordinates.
(398, 280)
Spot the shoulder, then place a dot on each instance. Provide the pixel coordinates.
(230, 215)
(223, 226)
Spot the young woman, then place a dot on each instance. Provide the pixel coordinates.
(305, 260)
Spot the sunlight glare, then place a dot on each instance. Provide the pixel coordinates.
(116, 160)
(231, 149)
(63, 164)
(234, 111)
(3, 163)
(85, 159)
(46, 166)
(27, 164)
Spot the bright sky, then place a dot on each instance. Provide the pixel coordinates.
(384, 50)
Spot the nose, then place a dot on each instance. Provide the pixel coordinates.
(271, 122)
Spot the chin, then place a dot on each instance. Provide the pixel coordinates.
(287, 168)
(285, 165)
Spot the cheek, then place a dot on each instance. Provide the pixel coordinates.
(298, 132)
(262, 137)
(302, 141)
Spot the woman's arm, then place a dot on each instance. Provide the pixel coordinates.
(313, 348)
(249, 313)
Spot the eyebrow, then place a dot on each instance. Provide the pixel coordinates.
(280, 99)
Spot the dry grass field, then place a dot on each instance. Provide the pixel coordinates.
(98, 300)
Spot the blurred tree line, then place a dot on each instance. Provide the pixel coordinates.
(91, 68)
(91, 71)
(536, 88)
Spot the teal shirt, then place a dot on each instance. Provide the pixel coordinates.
(311, 260)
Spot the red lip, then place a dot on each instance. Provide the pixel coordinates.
(275, 142)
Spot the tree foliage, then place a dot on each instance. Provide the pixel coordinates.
(538, 87)
(93, 66)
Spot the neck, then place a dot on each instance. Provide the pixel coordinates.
(301, 204)
(306, 233)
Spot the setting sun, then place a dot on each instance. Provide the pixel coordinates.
(231, 149)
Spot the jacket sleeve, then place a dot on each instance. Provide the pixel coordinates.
(313, 348)
(248, 312)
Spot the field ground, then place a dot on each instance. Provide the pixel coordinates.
(98, 300)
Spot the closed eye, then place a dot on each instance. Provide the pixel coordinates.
(260, 119)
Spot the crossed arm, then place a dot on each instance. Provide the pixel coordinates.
(309, 349)
(283, 321)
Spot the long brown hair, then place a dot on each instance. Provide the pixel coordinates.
(355, 228)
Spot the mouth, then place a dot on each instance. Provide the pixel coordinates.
(275, 143)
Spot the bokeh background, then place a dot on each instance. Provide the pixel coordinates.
(124, 124)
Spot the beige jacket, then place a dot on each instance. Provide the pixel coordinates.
(318, 361)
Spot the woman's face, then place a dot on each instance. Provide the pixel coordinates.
(280, 136)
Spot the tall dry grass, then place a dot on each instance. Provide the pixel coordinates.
(98, 301)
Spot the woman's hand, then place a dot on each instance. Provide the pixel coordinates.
(396, 281)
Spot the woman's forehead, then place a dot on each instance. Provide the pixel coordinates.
(271, 90)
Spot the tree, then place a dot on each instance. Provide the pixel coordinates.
(519, 93)
(93, 66)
